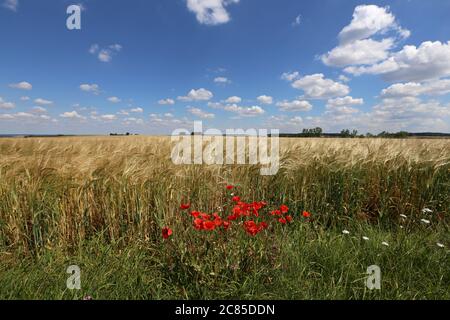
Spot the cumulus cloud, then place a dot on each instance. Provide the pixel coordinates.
(21, 85)
(39, 110)
(297, 21)
(6, 105)
(265, 99)
(413, 89)
(200, 113)
(316, 86)
(369, 20)
(114, 99)
(105, 54)
(72, 115)
(43, 102)
(290, 76)
(356, 47)
(210, 12)
(365, 51)
(108, 117)
(295, 105)
(344, 102)
(166, 102)
(94, 88)
(222, 80)
(431, 60)
(234, 100)
(245, 111)
(197, 95)
(137, 110)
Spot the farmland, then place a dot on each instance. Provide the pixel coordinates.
(102, 202)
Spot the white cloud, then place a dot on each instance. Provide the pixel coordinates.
(11, 5)
(137, 110)
(108, 117)
(431, 60)
(290, 76)
(343, 78)
(43, 102)
(166, 102)
(234, 100)
(295, 105)
(265, 99)
(222, 80)
(365, 51)
(114, 99)
(24, 98)
(356, 47)
(297, 21)
(344, 102)
(72, 115)
(369, 20)
(197, 95)
(21, 85)
(200, 113)
(245, 111)
(210, 12)
(316, 86)
(105, 54)
(94, 48)
(413, 89)
(39, 110)
(94, 88)
(6, 105)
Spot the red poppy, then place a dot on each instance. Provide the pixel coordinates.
(236, 199)
(209, 225)
(284, 208)
(226, 225)
(198, 224)
(195, 214)
(306, 214)
(185, 206)
(166, 232)
(282, 221)
(229, 187)
(276, 213)
(289, 219)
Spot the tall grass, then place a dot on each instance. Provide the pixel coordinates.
(81, 197)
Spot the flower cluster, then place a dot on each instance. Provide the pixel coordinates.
(250, 215)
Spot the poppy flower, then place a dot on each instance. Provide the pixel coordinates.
(282, 221)
(306, 214)
(209, 225)
(185, 206)
(229, 187)
(236, 199)
(284, 208)
(226, 225)
(195, 214)
(289, 219)
(276, 213)
(198, 224)
(166, 232)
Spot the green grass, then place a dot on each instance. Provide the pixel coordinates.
(304, 263)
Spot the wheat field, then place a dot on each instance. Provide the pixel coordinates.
(101, 202)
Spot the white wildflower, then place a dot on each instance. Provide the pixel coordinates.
(346, 232)
(426, 210)
(385, 244)
(440, 245)
(426, 221)
(366, 238)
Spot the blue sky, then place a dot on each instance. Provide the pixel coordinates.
(149, 67)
